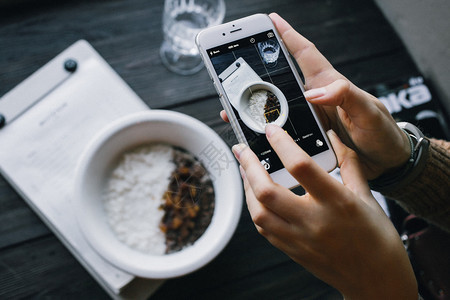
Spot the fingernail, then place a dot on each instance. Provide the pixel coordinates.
(271, 129)
(315, 93)
(237, 149)
(242, 171)
(331, 132)
(332, 135)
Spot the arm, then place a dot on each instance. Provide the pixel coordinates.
(428, 195)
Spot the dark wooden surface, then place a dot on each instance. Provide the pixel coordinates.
(352, 34)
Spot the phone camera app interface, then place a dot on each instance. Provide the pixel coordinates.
(262, 89)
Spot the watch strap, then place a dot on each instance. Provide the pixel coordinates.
(407, 173)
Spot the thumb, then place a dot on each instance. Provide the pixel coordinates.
(354, 101)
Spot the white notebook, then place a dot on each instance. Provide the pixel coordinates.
(50, 118)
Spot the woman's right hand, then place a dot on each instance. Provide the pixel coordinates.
(335, 230)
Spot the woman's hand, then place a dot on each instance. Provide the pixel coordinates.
(360, 120)
(337, 231)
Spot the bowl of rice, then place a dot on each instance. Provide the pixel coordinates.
(158, 194)
(261, 103)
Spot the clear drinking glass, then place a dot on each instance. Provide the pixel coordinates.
(182, 20)
(270, 50)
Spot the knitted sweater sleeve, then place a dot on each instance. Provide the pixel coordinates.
(428, 195)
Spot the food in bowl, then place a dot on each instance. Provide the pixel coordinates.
(188, 202)
(261, 103)
(159, 199)
(152, 127)
(264, 106)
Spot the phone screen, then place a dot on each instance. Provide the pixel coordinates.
(262, 89)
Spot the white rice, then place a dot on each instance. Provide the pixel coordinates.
(257, 102)
(134, 194)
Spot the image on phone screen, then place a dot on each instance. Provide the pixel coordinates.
(262, 89)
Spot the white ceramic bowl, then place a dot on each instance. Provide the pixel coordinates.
(244, 111)
(176, 129)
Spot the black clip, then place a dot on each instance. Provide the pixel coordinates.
(2, 121)
(70, 65)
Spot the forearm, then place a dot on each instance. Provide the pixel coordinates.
(428, 195)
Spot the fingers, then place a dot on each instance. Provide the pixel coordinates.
(349, 165)
(315, 67)
(260, 187)
(314, 179)
(354, 101)
(224, 116)
(265, 220)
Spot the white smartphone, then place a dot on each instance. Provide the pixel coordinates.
(258, 84)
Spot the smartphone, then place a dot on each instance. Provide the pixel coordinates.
(258, 84)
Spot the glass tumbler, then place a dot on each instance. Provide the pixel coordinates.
(269, 50)
(182, 20)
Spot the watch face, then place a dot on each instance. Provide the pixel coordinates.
(416, 138)
(411, 129)
(404, 176)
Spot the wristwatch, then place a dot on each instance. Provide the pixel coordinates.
(415, 165)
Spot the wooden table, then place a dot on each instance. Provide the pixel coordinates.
(352, 34)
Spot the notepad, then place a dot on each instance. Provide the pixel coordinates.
(49, 119)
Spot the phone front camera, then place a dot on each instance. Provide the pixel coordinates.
(223, 33)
